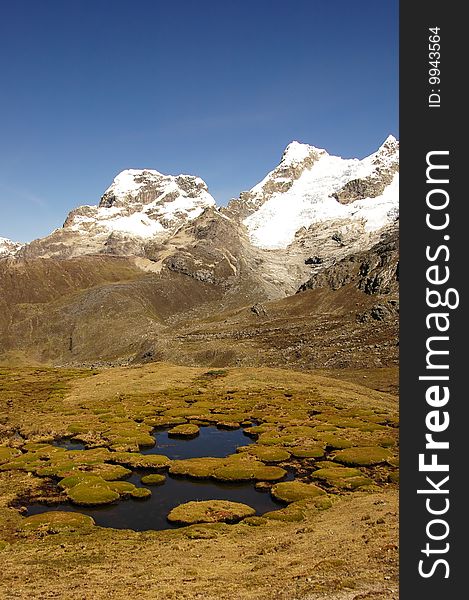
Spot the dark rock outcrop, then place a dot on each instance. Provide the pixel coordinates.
(375, 271)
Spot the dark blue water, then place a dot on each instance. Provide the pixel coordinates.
(141, 515)
(211, 441)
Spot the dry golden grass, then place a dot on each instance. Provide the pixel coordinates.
(345, 552)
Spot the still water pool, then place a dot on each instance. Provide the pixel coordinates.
(141, 515)
(211, 441)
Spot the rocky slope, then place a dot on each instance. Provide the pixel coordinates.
(345, 315)
(374, 271)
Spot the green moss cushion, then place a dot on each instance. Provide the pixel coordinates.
(363, 456)
(267, 473)
(234, 473)
(123, 488)
(296, 511)
(57, 521)
(307, 451)
(268, 454)
(228, 424)
(85, 494)
(72, 480)
(291, 491)
(337, 472)
(334, 441)
(195, 467)
(134, 459)
(8, 454)
(342, 477)
(141, 493)
(153, 479)
(110, 472)
(210, 511)
(188, 430)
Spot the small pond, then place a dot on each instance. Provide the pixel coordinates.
(211, 441)
(141, 515)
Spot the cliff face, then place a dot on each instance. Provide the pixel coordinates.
(374, 271)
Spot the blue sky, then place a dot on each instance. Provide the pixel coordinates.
(207, 87)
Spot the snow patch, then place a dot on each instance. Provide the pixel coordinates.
(125, 182)
(168, 202)
(138, 224)
(298, 152)
(9, 247)
(309, 200)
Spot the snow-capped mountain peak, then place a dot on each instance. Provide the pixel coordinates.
(148, 185)
(144, 203)
(390, 141)
(297, 152)
(309, 195)
(129, 182)
(388, 152)
(310, 186)
(296, 158)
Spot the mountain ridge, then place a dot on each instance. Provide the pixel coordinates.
(203, 290)
(304, 189)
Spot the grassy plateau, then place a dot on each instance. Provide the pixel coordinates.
(334, 535)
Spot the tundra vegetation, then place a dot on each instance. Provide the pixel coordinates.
(336, 438)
